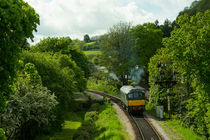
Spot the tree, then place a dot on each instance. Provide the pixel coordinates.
(30, 109)
(18, 21)
(117, 50)
(166, 28)
(188, 48)
(195, 7)
(148, 39)
(64, 46)
(87, 38)
(57, 74)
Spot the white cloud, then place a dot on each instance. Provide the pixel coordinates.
(75, 18)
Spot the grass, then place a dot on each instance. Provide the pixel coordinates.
(110, 123)
(93, 52)
(102, 86)
(181, 132)
(173, 127)
(72, 122)
(107, 125)
(102, 123)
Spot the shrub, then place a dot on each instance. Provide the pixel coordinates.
(2, 134)
(91, 116)
(81, 135)
(30, 109)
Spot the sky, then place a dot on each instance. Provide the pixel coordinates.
(75, 18)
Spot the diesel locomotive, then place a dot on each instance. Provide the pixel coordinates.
(133, 98)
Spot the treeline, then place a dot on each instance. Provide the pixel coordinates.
(185, 60)
(37, 82)
(56, 71)
(88, 44)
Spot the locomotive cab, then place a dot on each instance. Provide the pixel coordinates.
(136, 101)
(133, 98)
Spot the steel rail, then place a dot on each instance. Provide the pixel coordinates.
(140, 133)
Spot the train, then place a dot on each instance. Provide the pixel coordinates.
(134, 98)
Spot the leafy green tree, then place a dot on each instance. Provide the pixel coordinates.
(2, 134)
(148, 38)
(18, 21)
(166, 28)
(63, 45)
(117, 50)
(188, 49)
(30, 109)
(78, 44)
(195, 7)
(87, 38)
(52, 44)
(56, 76)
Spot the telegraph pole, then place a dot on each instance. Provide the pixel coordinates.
(170, 82)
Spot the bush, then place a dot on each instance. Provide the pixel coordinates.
(56, 74)
(95, 106)
(81, 135)
(30, 109)
(2, 134)
(91, 116)
(65, 46)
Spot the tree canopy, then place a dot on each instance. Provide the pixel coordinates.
(195, 7)
(63, 45)
(187, 51)
(87, 38)
(18, 21)
(117, 50)
(148, 39)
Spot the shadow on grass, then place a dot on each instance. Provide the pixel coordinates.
(88, 129)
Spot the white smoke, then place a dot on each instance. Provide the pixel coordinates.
(136, 74)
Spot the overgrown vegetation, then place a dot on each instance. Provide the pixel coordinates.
(104, 86)
(101, 122)
(101, 81)
(176, 130)
(18, 21)
(187, 52)
(31, 110)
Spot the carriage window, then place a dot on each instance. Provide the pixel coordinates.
(130, 95)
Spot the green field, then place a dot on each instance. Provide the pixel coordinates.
(87, 53)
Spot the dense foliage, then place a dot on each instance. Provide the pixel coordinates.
(188, 49)
(118, 54)
(18, 21)
(148, 38)
(59, 74)
(63, 45)
(86, 38)
(195, 7)
(101, 122)
(30, 109)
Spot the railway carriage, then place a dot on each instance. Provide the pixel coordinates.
(133, 98)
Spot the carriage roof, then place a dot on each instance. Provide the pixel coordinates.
(127, 89)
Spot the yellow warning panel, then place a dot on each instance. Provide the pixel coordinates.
(136, 102)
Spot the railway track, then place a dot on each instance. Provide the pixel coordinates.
(143, 129)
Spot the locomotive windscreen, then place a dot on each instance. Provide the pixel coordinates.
(136, 95)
